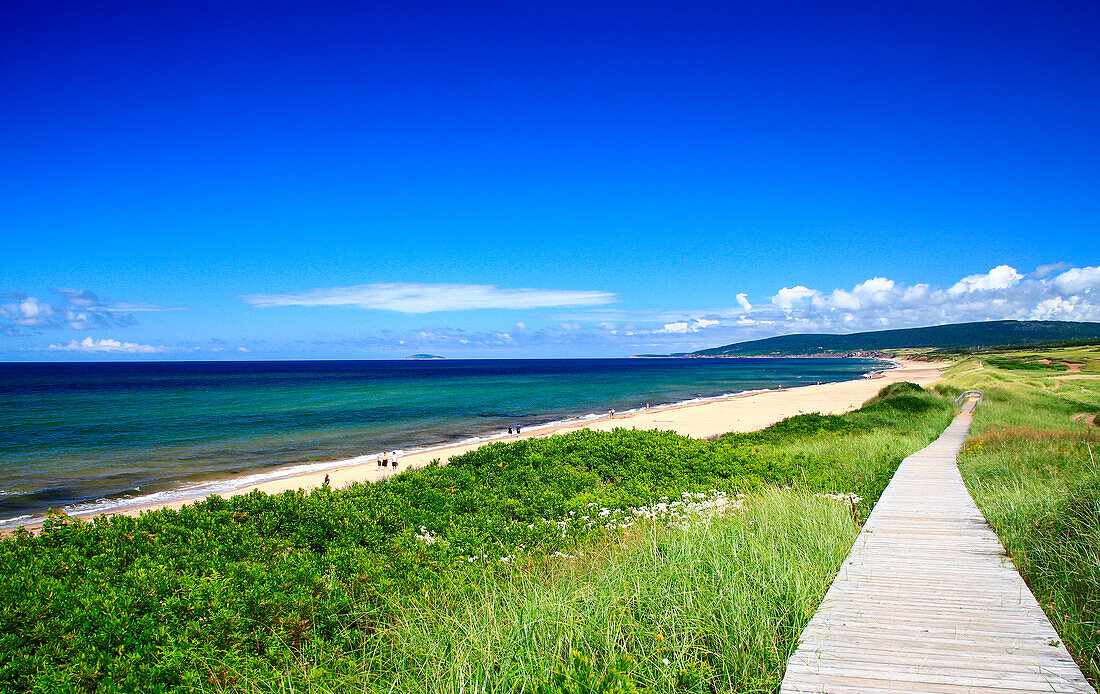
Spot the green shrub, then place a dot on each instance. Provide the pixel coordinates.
(231, 590)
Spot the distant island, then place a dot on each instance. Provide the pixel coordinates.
(954, 336)
(423, 357)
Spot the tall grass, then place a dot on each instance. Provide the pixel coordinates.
(406, 585)
(714, 605)
(1030, 465)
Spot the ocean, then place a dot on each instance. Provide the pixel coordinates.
(94, 436)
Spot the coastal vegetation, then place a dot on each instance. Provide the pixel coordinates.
(1031, 465)
(593, 561)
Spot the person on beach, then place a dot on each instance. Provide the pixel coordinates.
(517, 430)
(385, 460)
(509, 431)
(393, 460)
(326, 481)
(378, 461)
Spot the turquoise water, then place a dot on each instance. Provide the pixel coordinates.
(87, 437)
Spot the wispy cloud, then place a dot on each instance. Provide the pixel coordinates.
(78, 309)
(88, 345)
(429, 298)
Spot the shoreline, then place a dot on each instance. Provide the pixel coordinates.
(698, 418)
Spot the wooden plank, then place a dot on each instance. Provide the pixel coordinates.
(928, 602)
(882, 653)
(952, 676)
(830, 684)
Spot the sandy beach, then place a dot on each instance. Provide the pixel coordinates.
(744, 412)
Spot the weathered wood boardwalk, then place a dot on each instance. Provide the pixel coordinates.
(928, 602)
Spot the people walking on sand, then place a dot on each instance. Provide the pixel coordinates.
(385, 460)
(326, 481)
(378, 461)
(393, 460)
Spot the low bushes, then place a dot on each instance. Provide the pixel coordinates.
(297, 588)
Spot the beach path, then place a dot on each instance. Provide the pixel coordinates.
(927, 601)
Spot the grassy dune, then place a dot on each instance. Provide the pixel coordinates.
(714, 605)
(1031, 465)
(575, 563)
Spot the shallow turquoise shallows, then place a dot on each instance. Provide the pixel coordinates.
(91, 436)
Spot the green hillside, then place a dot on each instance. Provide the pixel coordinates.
(983, 334)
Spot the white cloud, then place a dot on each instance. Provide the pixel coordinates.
(873, 287)
(1000, 277)
(29, 312)
(428, 298)
(875, 304)
(789, 297)
(1078, 280)
(743, 300)
(1045, 270)
(915, 295)
(1054, 308)
(105, 345)
(693, 326)
(79, 297)
(78, 309)
(140, 308)
(31, 309)
(881, 303)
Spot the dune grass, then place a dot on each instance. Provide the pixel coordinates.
(714, 605)
(1030, 464)
(548, 565)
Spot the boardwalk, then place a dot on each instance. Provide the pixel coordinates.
(927, 601)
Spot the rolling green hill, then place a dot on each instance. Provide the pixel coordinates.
(983, 334)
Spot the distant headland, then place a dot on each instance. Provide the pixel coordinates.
(423, 357)
(984, 334)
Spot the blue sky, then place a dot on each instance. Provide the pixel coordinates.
(341, 180)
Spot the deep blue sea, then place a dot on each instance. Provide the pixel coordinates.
(85, 437)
